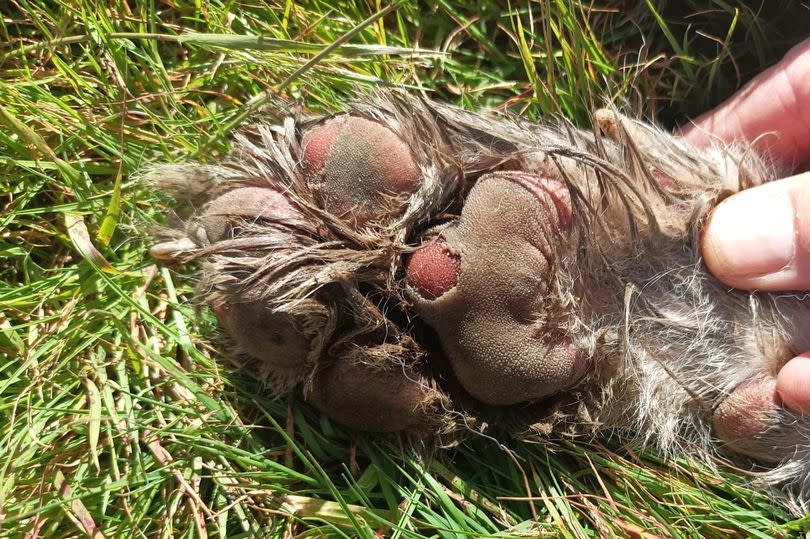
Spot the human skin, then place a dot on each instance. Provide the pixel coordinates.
(759, 239)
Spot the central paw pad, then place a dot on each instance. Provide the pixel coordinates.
(488, 285)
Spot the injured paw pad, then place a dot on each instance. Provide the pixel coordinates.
(485, 285)
(433, 270)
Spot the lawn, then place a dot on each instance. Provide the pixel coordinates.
(119, 414)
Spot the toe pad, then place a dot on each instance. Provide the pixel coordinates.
(351, 163)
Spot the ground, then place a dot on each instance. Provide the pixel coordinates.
(119, 416)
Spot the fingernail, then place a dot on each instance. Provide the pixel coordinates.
(754, 233)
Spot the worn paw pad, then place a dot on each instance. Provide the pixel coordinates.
(486, 285)
(433, 269)
(352, 163)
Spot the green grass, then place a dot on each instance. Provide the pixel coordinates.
(119, 418)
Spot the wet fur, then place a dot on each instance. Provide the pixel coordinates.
(667, 341)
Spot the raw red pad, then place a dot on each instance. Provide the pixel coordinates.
(433, 270)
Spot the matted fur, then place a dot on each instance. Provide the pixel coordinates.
(667, 342)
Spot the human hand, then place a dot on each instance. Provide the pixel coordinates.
(759, 239)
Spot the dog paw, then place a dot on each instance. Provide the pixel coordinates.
(411, 267)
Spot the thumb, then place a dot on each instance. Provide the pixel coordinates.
(772, 111)
(760, 238)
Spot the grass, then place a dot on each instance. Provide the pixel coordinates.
(119, 418)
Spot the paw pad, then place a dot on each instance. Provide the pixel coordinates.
(373, 399)
(274, 338)
(227, 212)
(498, 259)
(352, 163)
(748, 421)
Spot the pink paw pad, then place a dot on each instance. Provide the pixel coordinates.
(351, 163)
